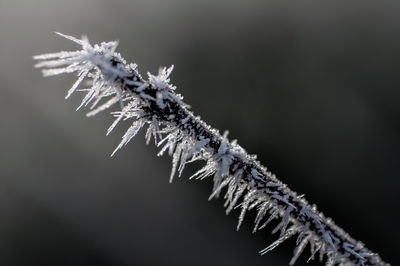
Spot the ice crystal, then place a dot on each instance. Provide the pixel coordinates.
(154, 104)
(161, 81)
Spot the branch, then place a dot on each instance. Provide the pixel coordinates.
(153, 103)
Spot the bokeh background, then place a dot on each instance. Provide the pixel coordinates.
(311, 87)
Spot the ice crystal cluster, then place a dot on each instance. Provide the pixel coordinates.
(154, 104)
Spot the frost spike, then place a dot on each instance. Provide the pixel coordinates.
(285, 221)
(314, 249)
(175, 159)
(260, 214)
(221, 186)
(245, 206)
(273, 215)
(103, 107)
(239, 191)
(299, 249)
(289, 233)
(82, 75)
(129, 134)
(80, 42)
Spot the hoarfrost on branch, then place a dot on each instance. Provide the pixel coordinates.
(154, 104)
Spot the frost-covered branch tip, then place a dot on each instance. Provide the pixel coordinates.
(154, 104)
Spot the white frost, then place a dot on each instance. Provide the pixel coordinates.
(251, 186)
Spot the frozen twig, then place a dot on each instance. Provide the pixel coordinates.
(153, 103)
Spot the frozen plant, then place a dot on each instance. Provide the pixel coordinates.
(154, 104)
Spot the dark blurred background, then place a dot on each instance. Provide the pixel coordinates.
(311, 87)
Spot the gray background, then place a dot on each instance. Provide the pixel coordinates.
(311, 87)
